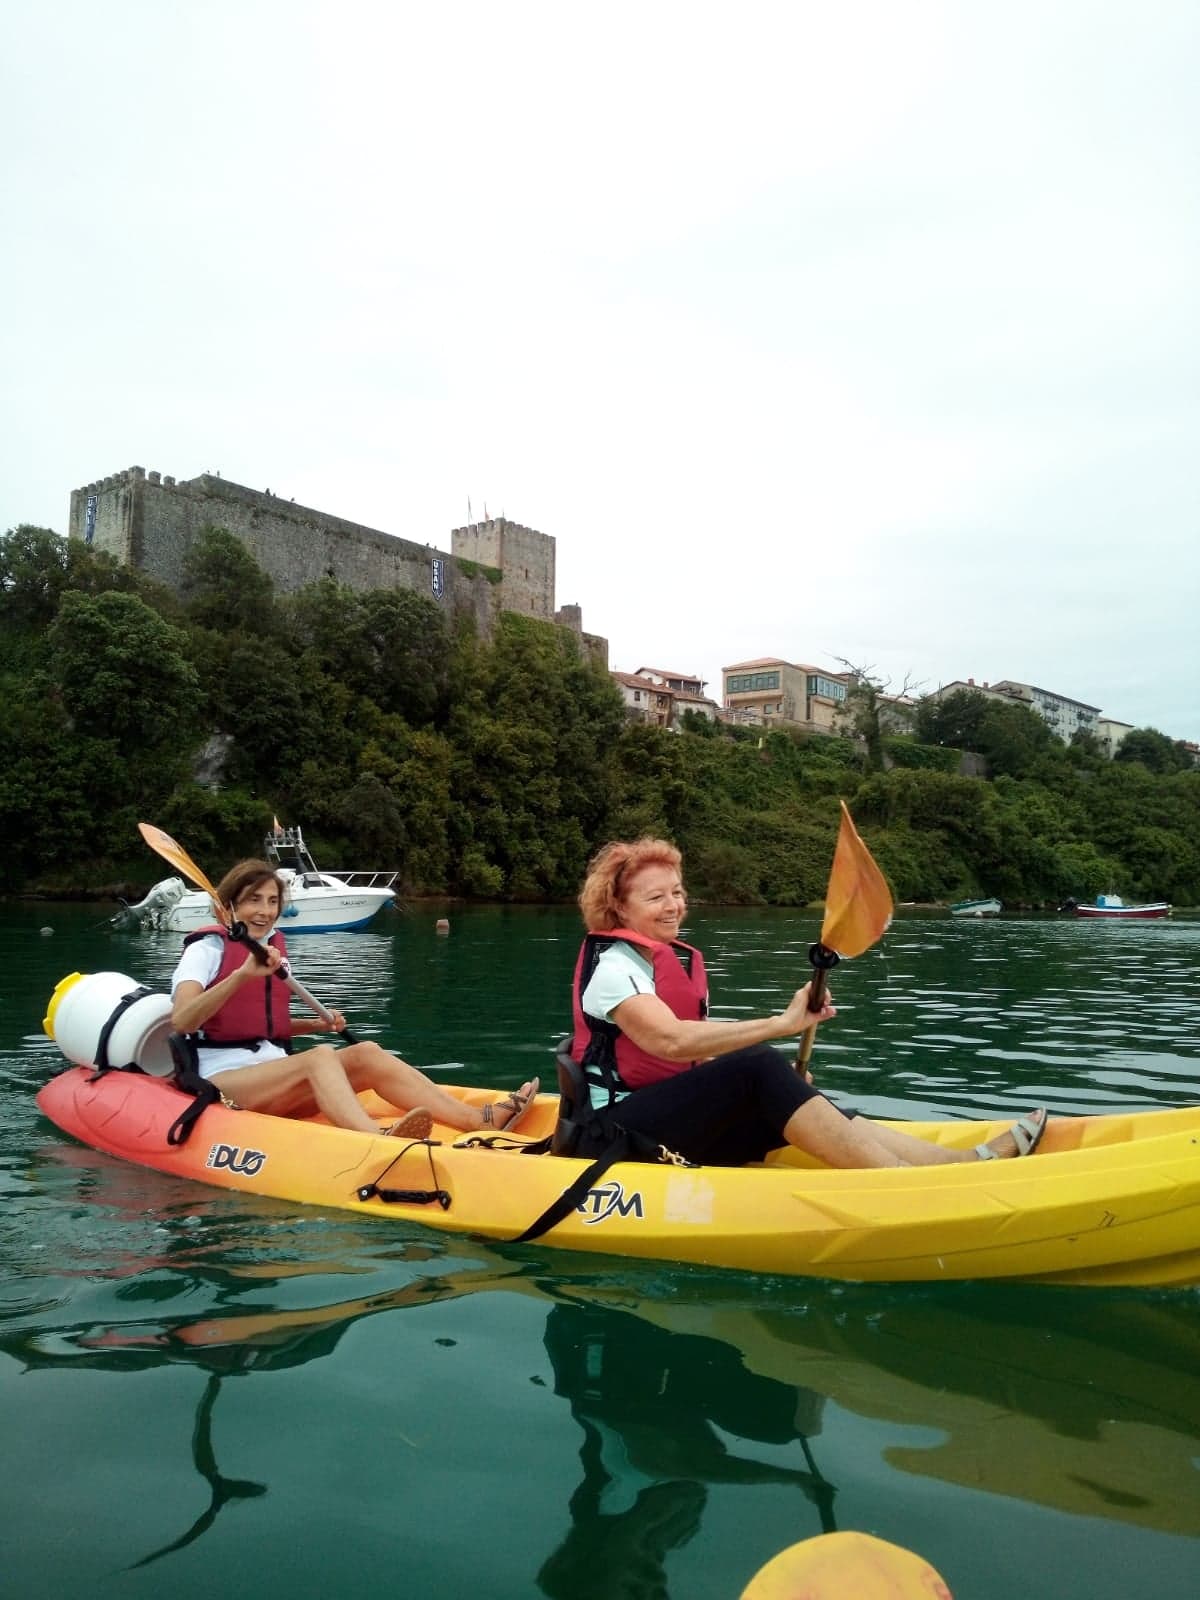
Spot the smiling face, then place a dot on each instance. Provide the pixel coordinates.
(653, 902)
(258, 907)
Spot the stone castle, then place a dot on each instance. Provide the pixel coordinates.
(150, 521)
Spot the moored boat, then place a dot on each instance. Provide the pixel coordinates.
(990, 907)
(1107, 1199)
(317, 901)
(1112, 908)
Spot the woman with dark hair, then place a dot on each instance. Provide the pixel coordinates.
(713, 1092)
(236, 1008)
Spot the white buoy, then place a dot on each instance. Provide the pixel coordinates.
(45, 932)
(443, 925)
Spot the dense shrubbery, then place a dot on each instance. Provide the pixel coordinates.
(494, 769)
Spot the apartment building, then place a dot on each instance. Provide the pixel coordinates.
(770, 690)
(1062, 715)
(1111, 733)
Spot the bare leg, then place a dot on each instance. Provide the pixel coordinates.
(369, 1066)
(327, 1080)
(857, 1142)
(820, 1129)
(299, 1085)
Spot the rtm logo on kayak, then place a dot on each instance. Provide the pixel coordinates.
(229, 1156)
(610, 1200)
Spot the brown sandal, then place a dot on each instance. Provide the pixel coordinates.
(516, 1103)
(414, 1124)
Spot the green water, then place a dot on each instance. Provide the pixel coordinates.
(203, 1394)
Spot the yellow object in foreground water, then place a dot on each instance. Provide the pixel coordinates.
(846, 1566)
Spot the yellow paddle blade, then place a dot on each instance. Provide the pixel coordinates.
(858, 902)
(170, 850)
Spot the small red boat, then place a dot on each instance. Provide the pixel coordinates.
(1114, 908)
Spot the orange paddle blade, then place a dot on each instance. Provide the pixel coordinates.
(170, 850)
(858, 902)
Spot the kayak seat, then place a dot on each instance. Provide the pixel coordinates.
(574, 1102)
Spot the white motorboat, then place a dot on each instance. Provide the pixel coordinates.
(316, 901)
(990, 907)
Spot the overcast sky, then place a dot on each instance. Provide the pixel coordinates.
(856, 331)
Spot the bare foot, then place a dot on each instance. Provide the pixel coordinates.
(414, 1124)
(1022, 1139)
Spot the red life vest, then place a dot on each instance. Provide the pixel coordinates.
(679, 981)
(258, 1010)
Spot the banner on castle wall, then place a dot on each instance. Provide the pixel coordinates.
(89, 520)
(439, 577)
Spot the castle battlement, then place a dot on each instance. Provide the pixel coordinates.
(150, 520)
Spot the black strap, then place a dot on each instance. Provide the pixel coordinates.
(207, 1043)
(574, 1193)
(207, 1094)
(203, 1091)
(407, 1197)
(103, 1064)
(624, 1145)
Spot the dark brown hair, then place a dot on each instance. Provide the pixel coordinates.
(248, 875)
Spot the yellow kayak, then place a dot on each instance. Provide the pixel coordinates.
(1106, 1200)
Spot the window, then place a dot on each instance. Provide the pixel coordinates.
(748, 682)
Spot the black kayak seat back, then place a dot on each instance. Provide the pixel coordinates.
(574, 1101)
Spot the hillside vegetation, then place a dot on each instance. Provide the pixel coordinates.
(493, 769)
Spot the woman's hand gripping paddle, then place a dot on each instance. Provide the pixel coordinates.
(170, 850)
(858, 908)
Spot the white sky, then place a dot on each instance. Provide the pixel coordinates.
(856, 330)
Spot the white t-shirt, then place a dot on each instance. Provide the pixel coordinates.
(200, 963)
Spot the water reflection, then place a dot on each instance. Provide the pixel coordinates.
(1083, 1403)
(656, 1410)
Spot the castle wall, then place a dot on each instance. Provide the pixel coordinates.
(150, 522)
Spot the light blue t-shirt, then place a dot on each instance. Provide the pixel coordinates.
(621, 971)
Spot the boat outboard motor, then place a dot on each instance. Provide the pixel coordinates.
(149, 912)
(106, 1020)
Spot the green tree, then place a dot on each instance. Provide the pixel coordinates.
(224, 588)
(1154, 751)
(122, 671)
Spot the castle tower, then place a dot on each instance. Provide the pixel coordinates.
(524, 557)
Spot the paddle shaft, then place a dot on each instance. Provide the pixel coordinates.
(823, 962)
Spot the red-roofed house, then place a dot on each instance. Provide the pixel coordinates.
(662, 697)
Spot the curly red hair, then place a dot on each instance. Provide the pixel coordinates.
(611, 868)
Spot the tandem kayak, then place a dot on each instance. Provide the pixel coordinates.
(1107, 1200)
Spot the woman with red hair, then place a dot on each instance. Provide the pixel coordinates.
(713, 1092)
